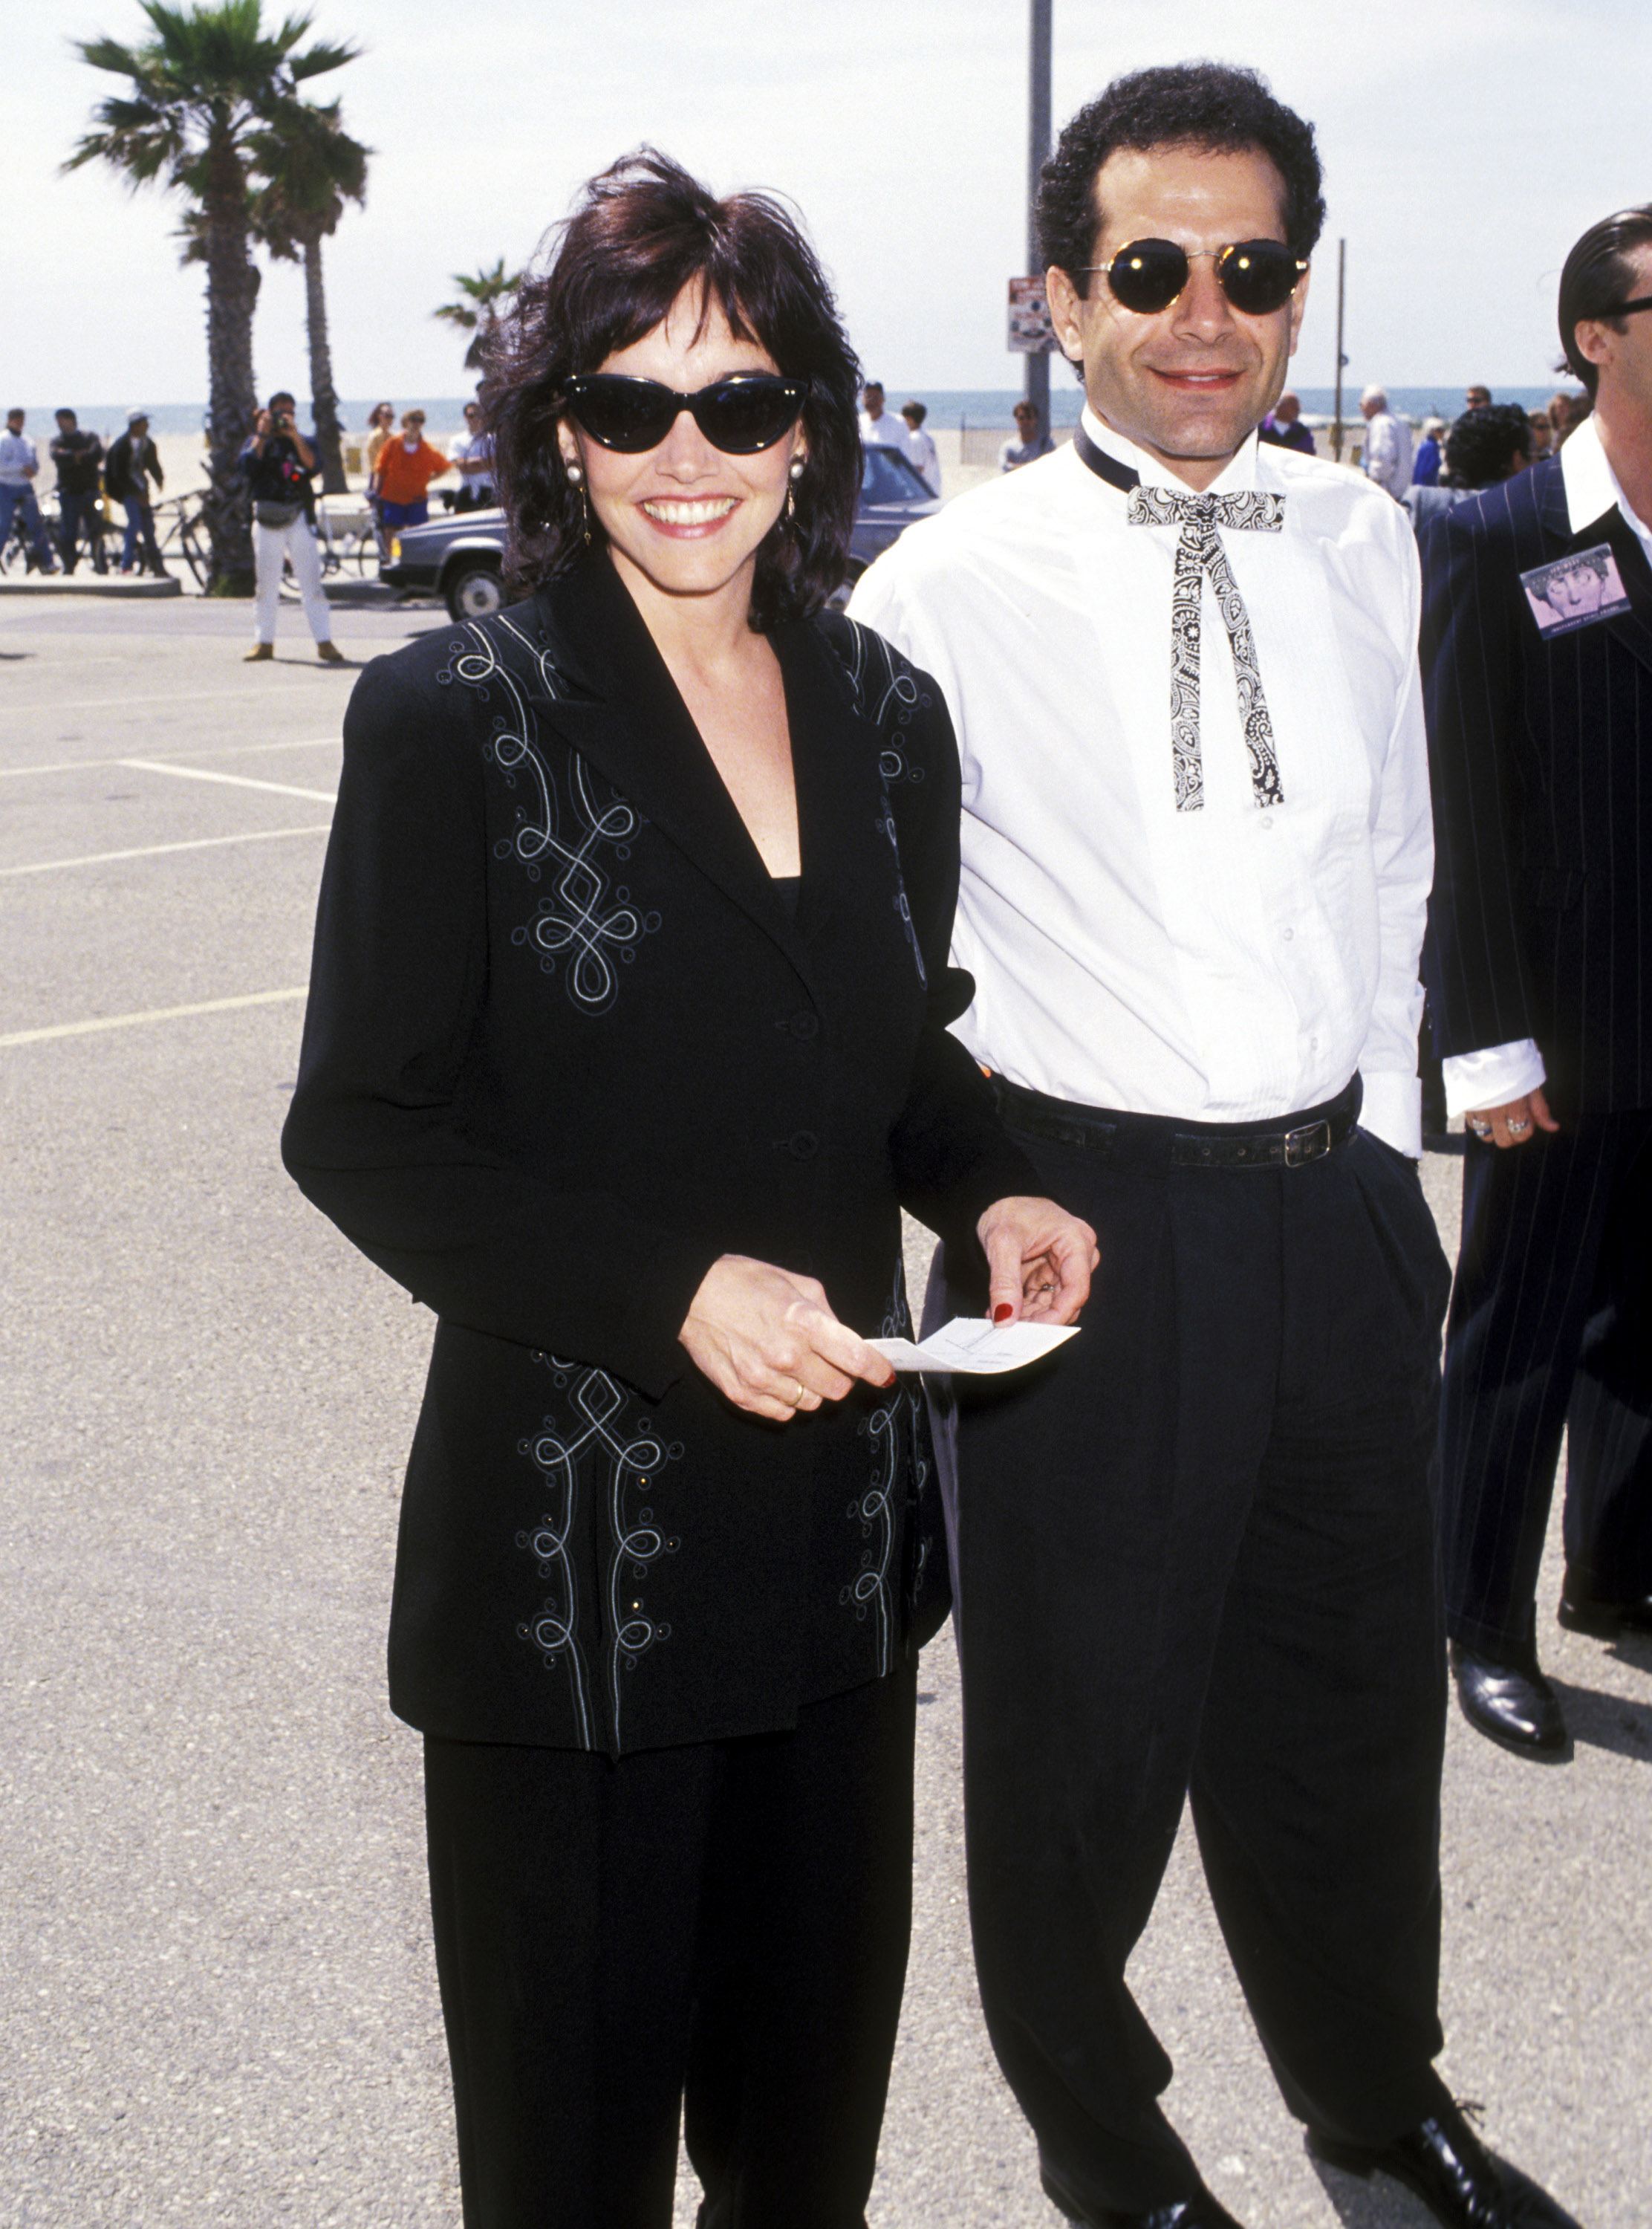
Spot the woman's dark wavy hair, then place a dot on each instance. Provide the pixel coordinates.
(1208, 105)
(1595, 278)
(642, 232)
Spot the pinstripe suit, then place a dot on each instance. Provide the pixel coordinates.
(1541, 927)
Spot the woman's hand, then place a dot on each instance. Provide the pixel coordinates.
(769, 1342)
(1515, 1124)
(1039, 1258)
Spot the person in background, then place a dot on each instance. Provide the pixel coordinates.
(474, 457)
(402, 475)
(1566, 413)
(1425, 465)
(878, 429)
(277, 464)
(1028, 442)
(1386, 456)
(1283, 426)
(1477, 398)
(133, 462)
(1537, 658)
(920, 446)
(381, 426)
(1483, 447)
(78, 457)
(19, 466)
(1543, 443)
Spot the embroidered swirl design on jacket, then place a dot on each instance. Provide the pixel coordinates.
(582, 926)
(1198, 551)
(887, 693)
(892, 1430)
(595, 1447)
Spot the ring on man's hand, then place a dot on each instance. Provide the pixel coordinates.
(1481, 1129)
(1518, 1129)
(796, 1399)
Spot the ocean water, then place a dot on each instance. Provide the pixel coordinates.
(948, 406)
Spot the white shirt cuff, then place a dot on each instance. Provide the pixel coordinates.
(1491, 1077)
(1391, 1110)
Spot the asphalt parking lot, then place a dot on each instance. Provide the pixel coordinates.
(217, 2004)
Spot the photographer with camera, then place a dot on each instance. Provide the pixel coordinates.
(278, 465)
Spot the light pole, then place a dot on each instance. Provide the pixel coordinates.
(1036, 375)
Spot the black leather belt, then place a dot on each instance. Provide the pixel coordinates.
(1162, 1141)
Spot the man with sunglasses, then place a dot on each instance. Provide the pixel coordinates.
(1537, 650)
(1197, 1552)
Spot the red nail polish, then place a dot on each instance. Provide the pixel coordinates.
(1003, 1313)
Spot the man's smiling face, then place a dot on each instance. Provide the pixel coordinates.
(1189, 382)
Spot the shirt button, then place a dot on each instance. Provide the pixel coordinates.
(804, 1025)
(804, 1145)
(1287, 934)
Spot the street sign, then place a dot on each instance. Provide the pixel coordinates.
(1030, 330)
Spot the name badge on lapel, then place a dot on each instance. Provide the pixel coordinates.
(1576, 591)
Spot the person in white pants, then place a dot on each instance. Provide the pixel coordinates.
(278, 462)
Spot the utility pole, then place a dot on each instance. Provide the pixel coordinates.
(1341, 360)
(1036, 375)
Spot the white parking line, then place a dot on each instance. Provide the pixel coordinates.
(235, 780)
(218, 751)
(124, 703)
(155, 1014)
(154, 851)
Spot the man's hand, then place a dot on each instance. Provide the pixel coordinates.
(1513, 1124)
(769, 1342)
(1039, 1259)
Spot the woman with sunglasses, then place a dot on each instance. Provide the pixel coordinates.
(626, 1042)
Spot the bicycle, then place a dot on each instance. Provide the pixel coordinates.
(358, 547)
(185, 534)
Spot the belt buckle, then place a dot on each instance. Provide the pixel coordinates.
(1308, 1144)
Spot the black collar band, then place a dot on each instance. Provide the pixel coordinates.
(1104, 467)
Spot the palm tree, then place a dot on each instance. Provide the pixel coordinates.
(309, 168)
(478, 313)
(208, 80)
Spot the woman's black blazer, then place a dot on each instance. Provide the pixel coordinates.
(566, 1044)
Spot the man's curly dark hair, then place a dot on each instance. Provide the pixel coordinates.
(1207, 104)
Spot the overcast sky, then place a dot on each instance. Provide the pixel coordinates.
(1466, 143)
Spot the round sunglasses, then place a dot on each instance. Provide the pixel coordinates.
(1257, 276)
(746, 412)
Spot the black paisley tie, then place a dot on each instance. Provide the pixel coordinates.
(1198, 551)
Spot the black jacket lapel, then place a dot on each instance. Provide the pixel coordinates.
(617, 706)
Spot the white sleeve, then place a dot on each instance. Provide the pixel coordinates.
(1403, 855)
(1493, 1076)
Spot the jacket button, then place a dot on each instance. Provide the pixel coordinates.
(804, 1025)
(804, 1145)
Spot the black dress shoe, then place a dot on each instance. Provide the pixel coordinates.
(1582, 1610)
(1453, 2174)
(1511, 1704)
(1203, 2212)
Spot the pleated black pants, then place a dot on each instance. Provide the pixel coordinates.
(1550, 1330)
(714, 1934)
(1195, 1552)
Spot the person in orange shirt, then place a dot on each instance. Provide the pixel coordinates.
(405, 470)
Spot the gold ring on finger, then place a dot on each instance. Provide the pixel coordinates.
(796, 1399)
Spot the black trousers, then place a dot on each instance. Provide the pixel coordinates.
(723, 1925)
(1195, 1552)
(1550, 1328)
